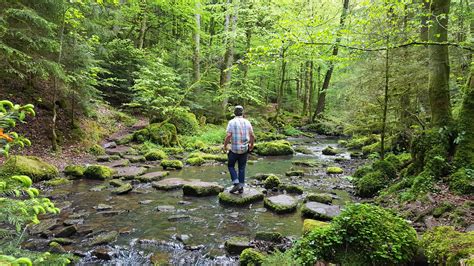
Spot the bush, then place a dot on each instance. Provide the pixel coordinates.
(370, 184)
(252, 257)
(185, 122)
(362, 234)
(386, 168)
(289, 130)
(462, 182)
(155, 155)
(96, 150)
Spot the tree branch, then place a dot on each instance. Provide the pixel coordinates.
(414, 43)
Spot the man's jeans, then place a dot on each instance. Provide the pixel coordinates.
(241, 159)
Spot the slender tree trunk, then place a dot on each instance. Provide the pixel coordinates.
(226, 72)
(248, 43)
(54, 136)
(439, 65)
(306, 89)
(197, 40)
(311, 89)
(322, 94)
(282, 81)
(385, 102)
(464, 156)
(141, 39)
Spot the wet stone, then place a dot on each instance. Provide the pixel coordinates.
(250, 195)
(235, 245)
(281, 203)
(320, 211)
(103, 253)
(179, 217)
(110, 213)
(124, 189)
(63, 241)
(118, 163)
(295, 173)
(165, 208)
(110, 145)
(98, 188)
(135, 158)
(104, 238)
(102, 207)
(169, 183)
(152, 176)
(73, 221)
(119, 150)
(202, 189)
(145, 202)
(43, 226)
(129, 172)
(116, 182)
(66, 231)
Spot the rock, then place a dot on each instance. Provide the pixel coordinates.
(116, 183)
(319, 197)
(269, 236)
(66, 231)
(319, 211)
(57, 182)
(356, 154)
(103, 158)
(310, 224)
(183, 202)
(98, 188)
(251, 256)
(202, 189)
(295, 173)
(470, 228)
(171, 164)
(123, 189)
(104, 238)
(152, 176)
(145, 202)
(165, 208)
(334, 170)
(74, 170)
(179, 217)
(73, 221)
(279, 147)
(170, 184)
(330, 151)
(118, 163)
(261, 177)
(160, 258)
(124, 139)
(155, 155)
(31, 166)
(235, 245)
(100, 172)
(129, 172)
(56, 248)
(120, 150)
(291, 189)
(110, 145)
(135, 158)
(303, 150)
(102, 253)
(63, 241)
(43, 226)
(110, 213)
(103, 207)
(271, 181)
(281, 203)
(305, 163)
(250, 195)
(183, 238)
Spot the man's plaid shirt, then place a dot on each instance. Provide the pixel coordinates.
(241, 130)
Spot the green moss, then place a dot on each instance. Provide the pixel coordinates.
(100, 172)
(305, 163)
(201, 191)
(155, 155)
(295, 173)
(74, 170)
(185, 122)
(334, 170)
(279, 208)
(269, 236)
(125, 139)
(251, 257)
(171, 164)
(464, 156)
(442, 208)
(329, 150)
(271, 181)
(361, 171)
(96, 150)
(268, 136)
(273, 148)
(386, 168)
(319, 197)
(310, 224)
(173, 150)
(31, 166)
(195, 161)
(237, 244)
(289, 130)
(445, 246)
(357, 142)
(372, 148)
(123, 189)
(398, 160)
(356, 154)
(370, 184)
(303, 150)
(342, 143)
(165, 135)
(291, 189)
(325, 127)
(462, 181)
(57, 182)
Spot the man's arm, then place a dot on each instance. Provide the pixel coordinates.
(252, 138)
(227, 140)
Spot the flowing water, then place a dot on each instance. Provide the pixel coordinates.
(199, 238)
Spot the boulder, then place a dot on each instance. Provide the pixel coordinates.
(124, 189)
(129, 172)
(261, 177)
(319, 197)
(295, 173)
(271, 181)
(57, 182)
(292, 189)
(152, 176)
(118, 163)
(155, 155)
(100, 172)
(305, 163)
(116, 182)
(171, 164)
(169, 183)
(237, 244)
(250, 195)
(279, 147)
(195, 161)
(110, 145)
(120, 150)
(310, 224)
(135, 158)
(104, 238)
(269, 236)
(330, 151)
(250, 257)
(334, 170)
(76, 171)
(43, 226)
(281, 203)
(103, 207)
(319, 211)
(201, 189)
(31, 166)
(102, 253)
(66, 231)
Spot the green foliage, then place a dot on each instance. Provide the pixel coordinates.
(289, 130)
(10, 115)
(162, 134)
(445, 246)
(195, 161)
(155, 155)
(97, 150)
(74, 170)
(31, 166)
(357, 142)
(370, 180)
(279, 258)
(207, 135)
(251, 257)
(363, 234)
(462, 181)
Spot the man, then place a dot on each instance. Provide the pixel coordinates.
(240, 135)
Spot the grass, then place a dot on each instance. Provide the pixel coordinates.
(208, 134)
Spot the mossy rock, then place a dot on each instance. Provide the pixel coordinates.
(370, 184)
(251, 257)
(237, 244)
(305, 163)
(104, 238)
(357, 142)
(269, 236)
(303, 150)
(152, 176)
(100, 172)
(172, 164)
(342, 143)
(135, 158)
(215, 157)
(123, 189)
(356, 154)
(185, 122)
(442, 208)
(319, 197)
(117, 183)
(310, 224)
(155, 155)
(319, 211)
(76, 171)
(281, 203)
(268, 136)
(274, 148)
(202, 189)
(125, 139)
(271, 181)
(96, 150)
(291, 189)
(195, 161)
(162, 134)
(462, 181)
(261, 176)
(386, 168)
(249, 196)
(334, 170)
(57, 182)
(31, 166)
(331, 151)
(299, 173)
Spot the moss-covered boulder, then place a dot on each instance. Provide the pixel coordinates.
(237, 244)
(269, 236)
(195, 161)
(123, 189)
(75, 171)
(272, 181)
(356, 154)
(202, 189)
(319, 211)
(172, 164)
(57, 182)
(169, 183)
(462, 181)
(162, 134)
(334, 170)
(152, 176)
(155, 155)
(310, 224)
(249, 196)
(251, 257)
(319, 197)
(185, 122)
(280, 147)
(357, 142)
(261, 176)
(31, 166)
(100, 172)
(129, 172)
(305, 163)
(299, 173)
(329, 150)
(291, 189)
(281, 203)
(96, 150)
(303, 150)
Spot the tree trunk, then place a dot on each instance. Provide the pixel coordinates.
(307, 87)
(311, 89)
(197, 40)
(143, 26)
(464, 156)
(322, 94)
(226, 72)
(282, 81)
(439, 65)
(385, 103)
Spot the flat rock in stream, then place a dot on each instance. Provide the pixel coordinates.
(66, 231)
(165, 208)
(152, 176)
(120, 150)
(281, 203)
(250, 195)
(202, 189)
(179, 217)
(237, 244)
(104, 238)
(170, 183)
(118, 163)
(135, 158)
(129, 172)
(320, 211)
(125, 188)
(43, 226)
(102, 207)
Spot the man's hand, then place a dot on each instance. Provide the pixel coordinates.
(251, 147)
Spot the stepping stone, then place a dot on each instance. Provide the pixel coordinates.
(261, 177)
(110, 145)
(202, 189)
(116, 183)
(319, 197)
(102, 207)
(165, 208)
(169, 183)
(281, 203)
(129, 172)
(73, 222)
(305, 163)
(102, 253)
(310, 224)
(153, 176)
(145, 202)
(135, 158)
(66, 231)
(118, 163)
(104, 238)
(119, 150)
(250, 195)
(320, 211)
(237, 244)
(124, 189)
(179, 217)
(295, 173)
(269, 236)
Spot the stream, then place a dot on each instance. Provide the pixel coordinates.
(199, 238)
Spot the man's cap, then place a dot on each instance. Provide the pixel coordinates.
(238, 110)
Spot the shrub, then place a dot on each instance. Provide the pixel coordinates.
(370, 184)
(362, 234)
(386, 168)
(185, 122)
(96, 150)
(462, 182)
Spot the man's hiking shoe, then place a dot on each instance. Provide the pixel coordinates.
(241, 190)
(235, 188)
